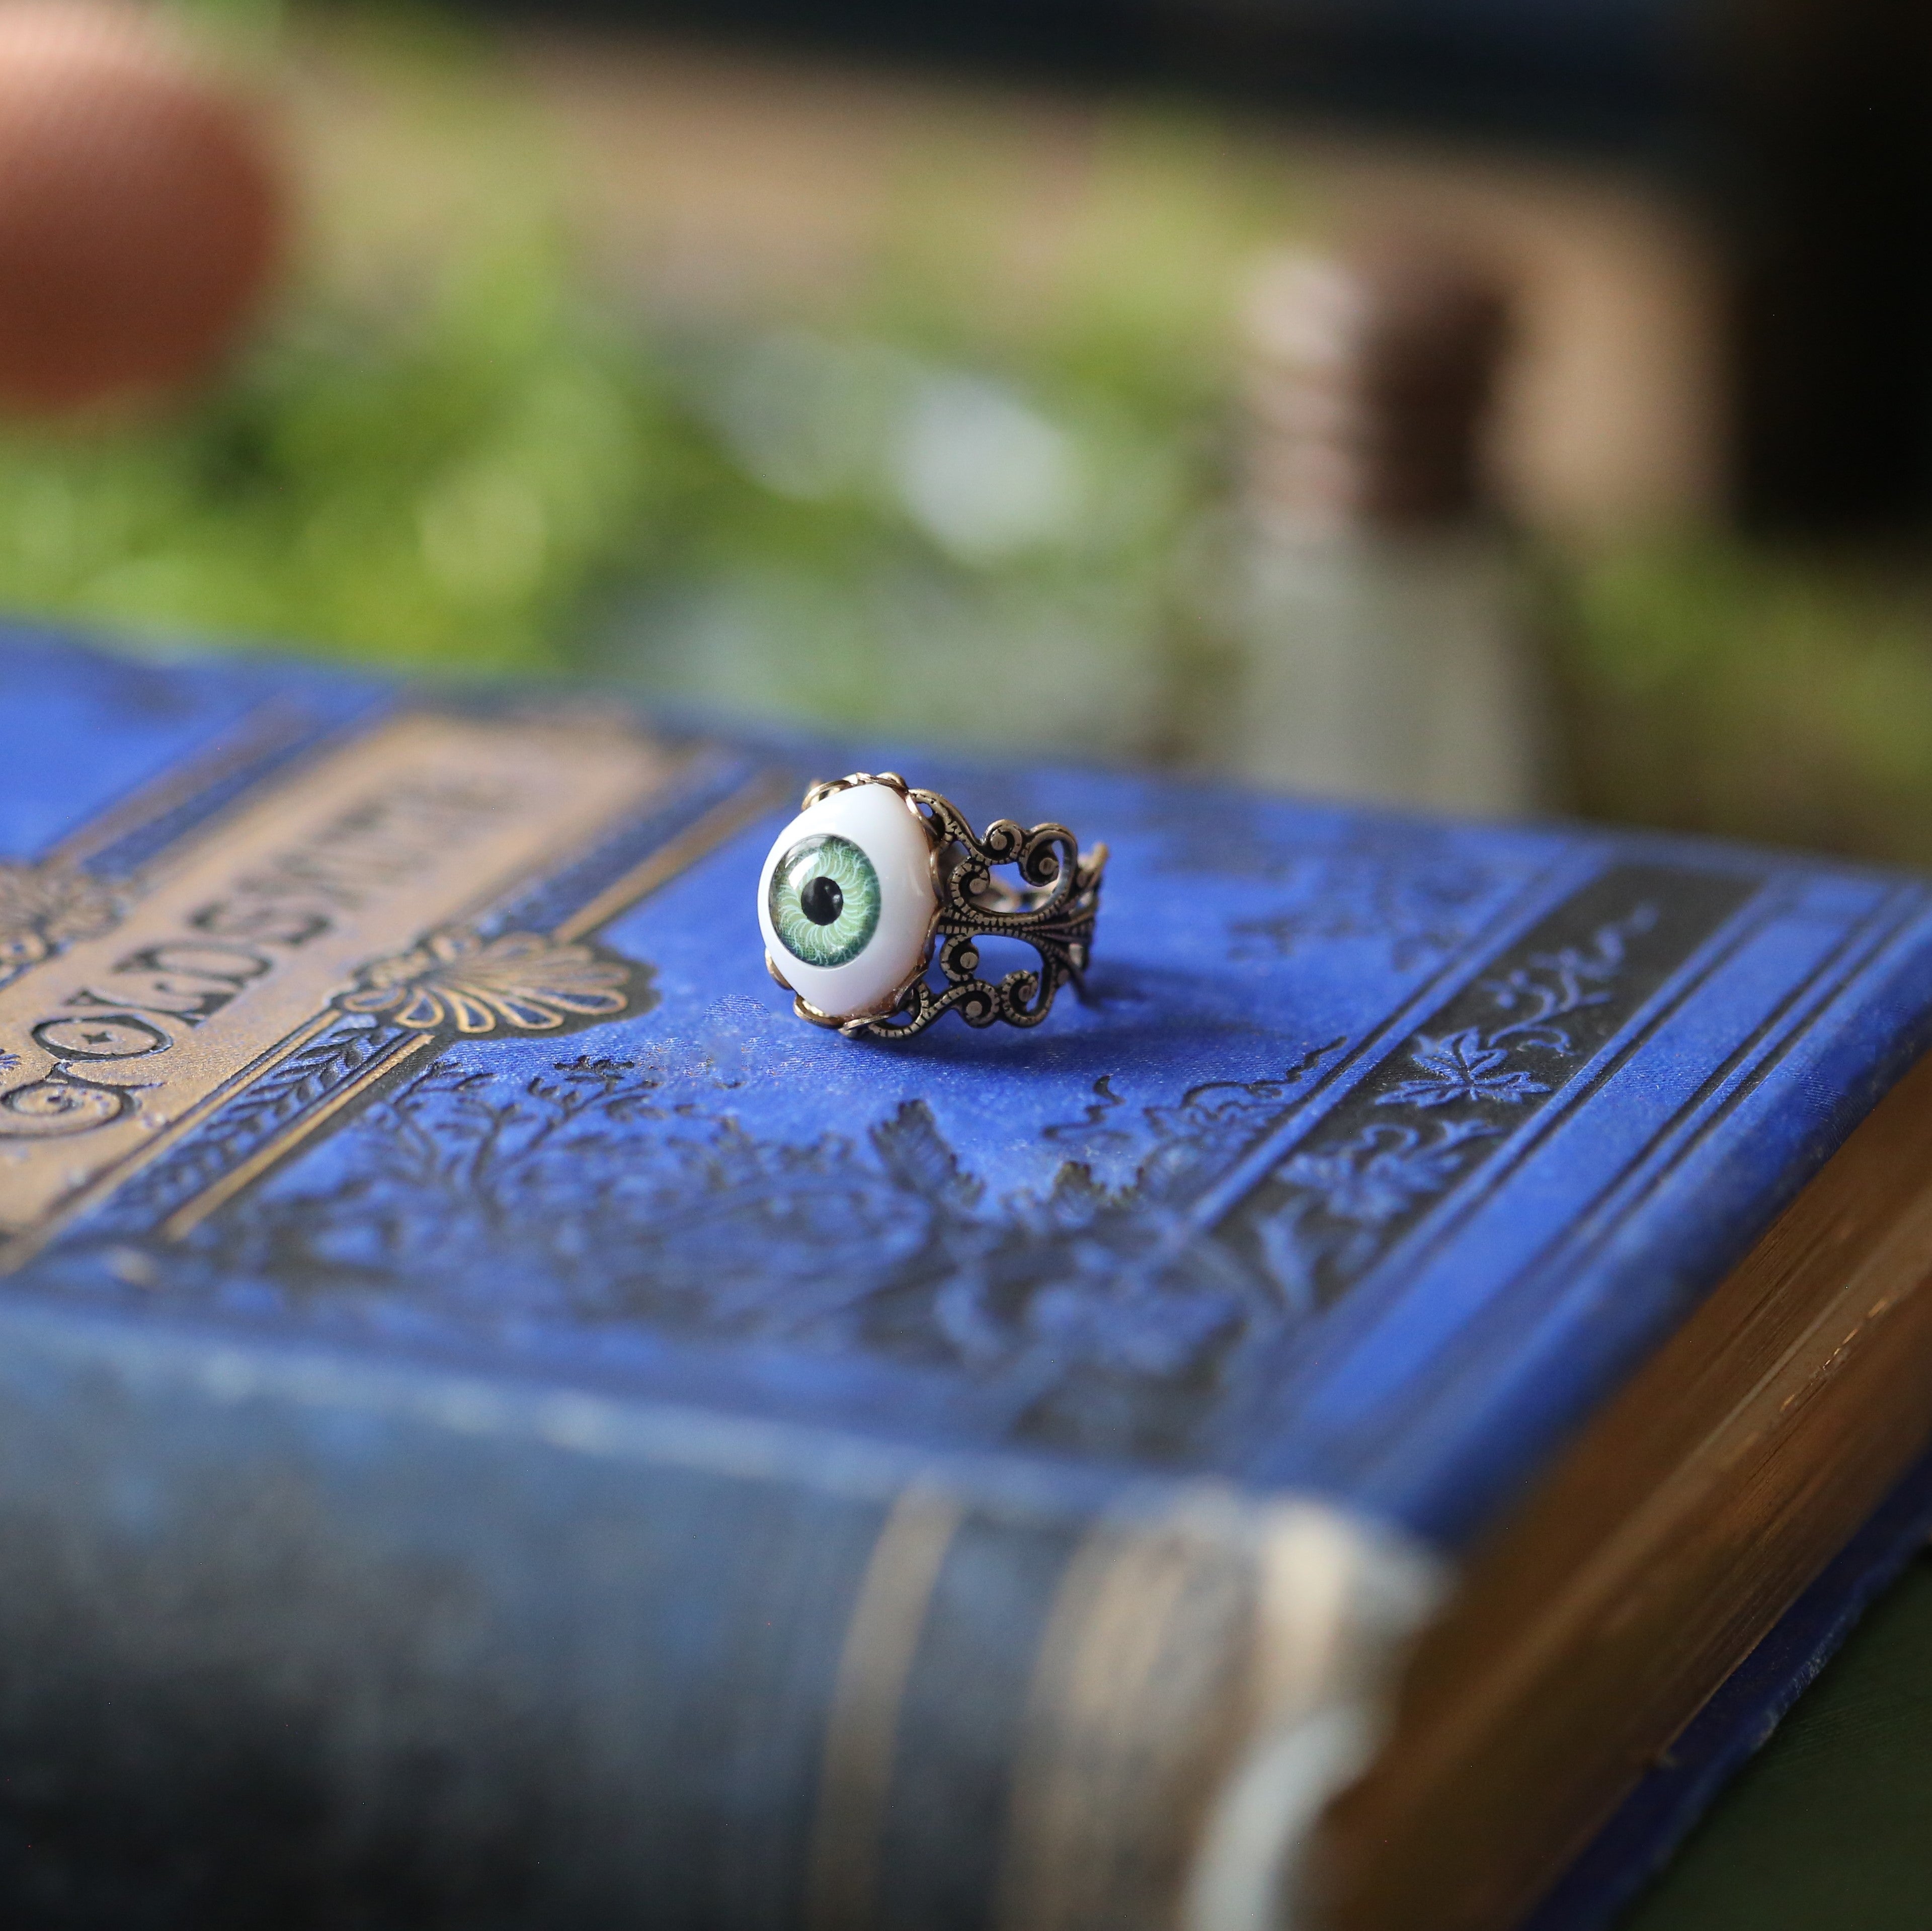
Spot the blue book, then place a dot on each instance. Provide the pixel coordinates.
(502, 1422)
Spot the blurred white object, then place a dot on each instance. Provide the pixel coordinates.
(989, 568)
(1393, 667)
(987, 477)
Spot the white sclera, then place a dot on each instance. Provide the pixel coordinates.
(885, 828)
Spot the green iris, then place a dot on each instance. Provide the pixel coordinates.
(824, 900)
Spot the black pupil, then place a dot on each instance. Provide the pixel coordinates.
(821, 901)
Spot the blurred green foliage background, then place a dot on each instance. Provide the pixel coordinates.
(449, 450)
(1781, 695)
(455, 448)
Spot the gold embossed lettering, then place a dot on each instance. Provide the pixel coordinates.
(239, 944)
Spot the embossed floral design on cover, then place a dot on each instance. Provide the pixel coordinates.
(410, 1056)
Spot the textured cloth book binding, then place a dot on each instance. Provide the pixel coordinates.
(502, 1424)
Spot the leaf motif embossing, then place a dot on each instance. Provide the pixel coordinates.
(1139, 1287)
(1384, 1170)
(1459, 1066)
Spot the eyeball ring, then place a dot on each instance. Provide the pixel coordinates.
(873, 877)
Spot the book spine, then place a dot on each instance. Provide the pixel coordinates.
(298, 1638)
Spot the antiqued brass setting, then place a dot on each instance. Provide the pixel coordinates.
(1053, 910)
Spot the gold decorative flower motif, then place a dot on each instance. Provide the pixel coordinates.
(521, 981)
(43, 907)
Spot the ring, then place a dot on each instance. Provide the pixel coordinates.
(874, 875)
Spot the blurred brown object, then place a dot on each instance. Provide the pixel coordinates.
(1374, 614)
(1369, 377)
(141, 210)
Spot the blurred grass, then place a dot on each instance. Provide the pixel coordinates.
(449, 449)
(440, 487)
(1780, 695)
(436, 446)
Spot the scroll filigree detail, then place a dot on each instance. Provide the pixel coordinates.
(44, 908)
(520, 982)
(1053, 910)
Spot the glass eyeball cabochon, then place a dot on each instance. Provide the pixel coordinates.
(846, 899)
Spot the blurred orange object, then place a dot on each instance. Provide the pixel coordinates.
(142, 211)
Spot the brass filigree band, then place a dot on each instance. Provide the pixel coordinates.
(1053, 910)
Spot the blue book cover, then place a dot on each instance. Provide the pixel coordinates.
(503, 1422)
